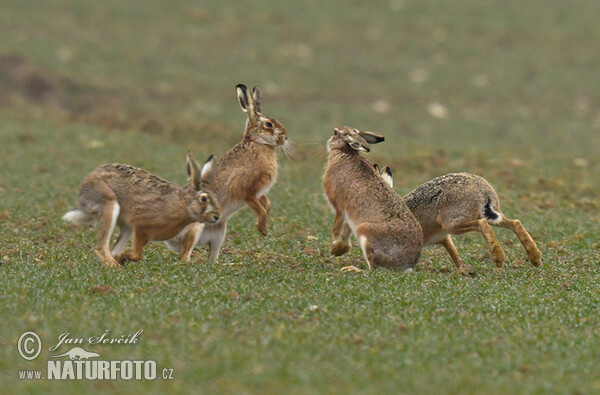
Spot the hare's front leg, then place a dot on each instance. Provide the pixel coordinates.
(215, 236)
(190, 240)
(340, 234)
(122, 240)
(451, 248)
(261, 213)
(135, 254)
(266, 203)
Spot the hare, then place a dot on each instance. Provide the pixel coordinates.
(143, 204)
(388, 233)
(244, 175)
(461, 202)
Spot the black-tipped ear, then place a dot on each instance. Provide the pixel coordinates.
(207, 169)
(193, 169)
(257, 97)
(386, 174)
(376, 167)
(372, 137)
(242, 95)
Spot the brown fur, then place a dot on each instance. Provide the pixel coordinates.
(244, 174)
(456, 203)
(388, 233)
(149, 206)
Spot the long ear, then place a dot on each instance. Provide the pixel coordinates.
(207, 169)
(257, 97)
(376, 168)
(386, 174)
(242, 95)
(372, 137)
(194, 172)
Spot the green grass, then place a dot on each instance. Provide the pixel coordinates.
(84, 83)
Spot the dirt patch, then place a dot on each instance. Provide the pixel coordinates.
(23, 84)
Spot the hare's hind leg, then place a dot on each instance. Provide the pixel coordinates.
(451, 248)
(107, 222)
(533, 253)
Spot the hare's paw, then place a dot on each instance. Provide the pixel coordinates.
(340, 247)
(262, 227)
(108, 260)
(128, 255)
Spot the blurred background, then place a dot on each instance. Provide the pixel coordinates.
(435, 74)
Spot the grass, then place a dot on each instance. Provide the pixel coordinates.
(86, 83)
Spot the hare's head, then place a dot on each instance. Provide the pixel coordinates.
(349, 138)
(201, 203)
(260, 128)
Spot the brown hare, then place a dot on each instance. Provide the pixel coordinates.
(143, 204)
(461, 202)
(364, 204)
(244, 175)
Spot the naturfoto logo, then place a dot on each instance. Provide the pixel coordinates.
(81, 364)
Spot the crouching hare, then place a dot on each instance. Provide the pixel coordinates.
(364, 204)
(461, 202)
(143, 204)
(242, 176)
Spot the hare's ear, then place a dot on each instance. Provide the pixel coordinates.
(376, 168)
(372, 137)
(356, 142)
(257, 97)
(386, 174)
(194, 171)
(359, 147)
(242, 94)
(207, 169)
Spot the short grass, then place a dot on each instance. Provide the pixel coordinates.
(84, 83)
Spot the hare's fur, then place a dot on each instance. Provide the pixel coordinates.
(144, 205)
(364, 204)
(244, 175)
(461, 202)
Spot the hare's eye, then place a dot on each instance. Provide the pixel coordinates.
(268, 124)
(335, 132)
(203, 199)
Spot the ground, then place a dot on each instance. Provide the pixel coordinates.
(508, 91)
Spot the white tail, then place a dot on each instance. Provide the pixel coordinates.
(77, 217)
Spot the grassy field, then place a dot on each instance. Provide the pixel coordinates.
(509, 91)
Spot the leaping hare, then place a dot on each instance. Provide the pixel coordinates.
(461, 202)
(244, 175)
(388, 233)
(143, 204)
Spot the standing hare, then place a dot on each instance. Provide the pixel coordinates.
(242, 176)
(143, 204)
(461, 202)
(388, 234)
